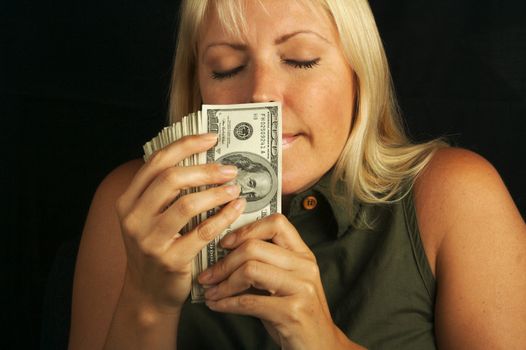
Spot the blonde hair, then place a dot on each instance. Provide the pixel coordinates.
(378, 163)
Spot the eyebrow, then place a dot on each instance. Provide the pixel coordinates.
(278, 41)
(238, 47)
(286, 37)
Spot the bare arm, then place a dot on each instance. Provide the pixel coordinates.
(133, 270)
(101, 263)
(101, 306)
(104, 314)
(476, 240)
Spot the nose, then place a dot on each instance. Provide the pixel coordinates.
(265, 85)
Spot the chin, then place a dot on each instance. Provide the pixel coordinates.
(288, 185)
(293, 184)
(293, 179)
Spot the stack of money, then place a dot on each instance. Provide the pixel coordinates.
(249, 137)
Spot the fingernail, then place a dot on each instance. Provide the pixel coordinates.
(210, 137)
(232, 190)
(205, 275)
(229, 170)
(228, 240)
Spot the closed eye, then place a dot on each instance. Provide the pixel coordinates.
(302, 64)
(227, 74)
(293, 63)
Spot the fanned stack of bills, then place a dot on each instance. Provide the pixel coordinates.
(249, 137)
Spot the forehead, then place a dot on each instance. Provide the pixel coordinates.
(240, 20)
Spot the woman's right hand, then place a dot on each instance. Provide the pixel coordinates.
(159, 258)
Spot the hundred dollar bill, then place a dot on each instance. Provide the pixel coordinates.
(249, 137)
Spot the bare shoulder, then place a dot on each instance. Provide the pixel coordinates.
(102, 219)
(119, 179)
(101, 262)
(102, 209)
(458, 189)
(475, 239)
(454, 173)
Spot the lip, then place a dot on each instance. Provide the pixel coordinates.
(288, 139)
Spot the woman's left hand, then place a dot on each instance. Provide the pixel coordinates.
(270, 256)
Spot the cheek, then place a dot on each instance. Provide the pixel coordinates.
(219, 92)
(324, 108)
(207, 89)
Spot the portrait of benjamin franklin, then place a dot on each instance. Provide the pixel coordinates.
(257, 179)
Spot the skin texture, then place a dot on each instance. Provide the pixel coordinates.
(156, 277)
(269, 66)
(270, 61)
(475, 240)
(133, 267)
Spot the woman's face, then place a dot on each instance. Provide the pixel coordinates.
(291, 55)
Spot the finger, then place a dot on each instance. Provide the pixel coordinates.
(162, 159)
(189, 206)
(258, 275)
(275, 228)
(168, 184)
(190, 244)
(253, 249)
(267, 308)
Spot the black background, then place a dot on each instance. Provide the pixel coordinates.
(84, 85)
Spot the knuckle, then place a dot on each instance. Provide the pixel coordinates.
(218, 194)
(313, 270)
(278, 218)
(157, 158)
(130, 224)
(246, 300)
(220, 267)
(308, 288)
(296, 308)
(250, 269)
(221, 195)
(279, 221)
(213, 170)
(169, 177)
(244, 232)
(186, 207)
(251, 247)
(187, 143)
(230, 215)
(222, 220)
(274, 218)
(162, 226)
(205, 232)
(165, 177)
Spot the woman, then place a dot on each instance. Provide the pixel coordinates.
(405, 246)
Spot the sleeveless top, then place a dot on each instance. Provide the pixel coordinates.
(377, 280)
